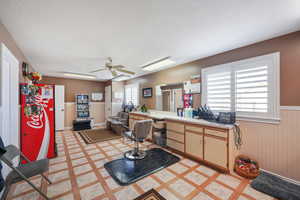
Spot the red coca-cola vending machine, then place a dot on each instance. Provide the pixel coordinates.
(37, 121)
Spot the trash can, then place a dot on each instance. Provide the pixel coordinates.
(159, 133)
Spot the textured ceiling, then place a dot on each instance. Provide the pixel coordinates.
(77, 35)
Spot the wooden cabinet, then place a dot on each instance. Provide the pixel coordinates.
(215, 151)
(194, 144)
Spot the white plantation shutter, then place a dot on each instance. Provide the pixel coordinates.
(219, 91)
(249, 87)
(252, 90)
(132, 94)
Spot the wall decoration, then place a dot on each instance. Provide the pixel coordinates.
(97, 96)
(25, 69)
(147, 92)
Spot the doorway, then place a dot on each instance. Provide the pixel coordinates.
(59, 107)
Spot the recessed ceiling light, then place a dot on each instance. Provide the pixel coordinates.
(80, 75)
(158, 64)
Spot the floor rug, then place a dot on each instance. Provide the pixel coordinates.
(98, 135)
(276, 187)
(125, 171)
(150, 195)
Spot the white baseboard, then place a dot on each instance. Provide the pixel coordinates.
(282, 177)
(100, 124)
(68, 128)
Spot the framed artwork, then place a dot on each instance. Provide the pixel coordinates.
(147, 92)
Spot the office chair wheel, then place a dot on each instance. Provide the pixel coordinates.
(135, 155)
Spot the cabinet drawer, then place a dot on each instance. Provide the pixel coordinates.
(194, 128)
(173, 126)
(175, 136)
(175, 145)
(194, 144)
(216, 133)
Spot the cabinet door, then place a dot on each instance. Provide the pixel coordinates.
(215, 151)
(131, 123)
(194, 144)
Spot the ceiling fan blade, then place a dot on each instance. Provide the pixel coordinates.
(117, 66)
(98, 70)
(114, 73)
(126, 71)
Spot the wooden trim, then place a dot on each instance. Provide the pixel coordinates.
(174, 121)
(198, 133)
(178, 132)
(175, 140)
(216, 137)
(217, 129)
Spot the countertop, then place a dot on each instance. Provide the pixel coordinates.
(172, 116)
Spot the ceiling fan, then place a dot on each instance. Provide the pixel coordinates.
(113, 68)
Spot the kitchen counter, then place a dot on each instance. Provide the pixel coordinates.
(160, 115)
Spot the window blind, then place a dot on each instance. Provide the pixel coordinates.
(252, 90)
(219, 91)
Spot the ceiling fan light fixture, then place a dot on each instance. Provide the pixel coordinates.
(79, 75)
(158, 64)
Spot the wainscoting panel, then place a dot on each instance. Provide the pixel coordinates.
(275, 146)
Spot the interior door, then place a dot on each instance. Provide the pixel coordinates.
(107, 102)
(9, 99)
(59, 107)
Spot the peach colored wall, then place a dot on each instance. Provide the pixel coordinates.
(10, 43)
(288, 46)
(275, 146)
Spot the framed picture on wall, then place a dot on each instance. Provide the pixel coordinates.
(147, 92)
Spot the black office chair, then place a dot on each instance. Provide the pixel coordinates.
(139, 133)
(22, 171)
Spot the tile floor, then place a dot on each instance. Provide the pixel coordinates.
(78, 173)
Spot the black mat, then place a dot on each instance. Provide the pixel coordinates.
(125, 171)
(276, 187)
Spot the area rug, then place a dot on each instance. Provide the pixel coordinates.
(276, 187)
(150, 195)
(125, 171)
(98, 135)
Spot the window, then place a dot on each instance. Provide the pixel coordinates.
(132, 94)
(249, 87)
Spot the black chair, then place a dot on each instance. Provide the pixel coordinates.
(22, 171)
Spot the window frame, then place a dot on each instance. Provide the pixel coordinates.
(273, 62)
(131, 86)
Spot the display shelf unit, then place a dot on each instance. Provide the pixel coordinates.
(82, 106)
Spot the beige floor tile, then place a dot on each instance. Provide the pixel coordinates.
(103, 172)
(92, 151)
(29, 196)
(100, 163)
(178, 168)
(91, 192)
(86, 179)
(59, 176)
(81, 169)
(148, 183)
(206, 170)
(57, 159)
(219, 190)
(202, 196)
(165, 175)
(66, 197)
(126, 193)
(182, 187)
(57, 167)
(76, 155)
(196, 178)
(111, 183)
(56, 189)
(24, 186)
(168, 194)
(189, 162)
(79, 161)
(229, 180)
(97, 156)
